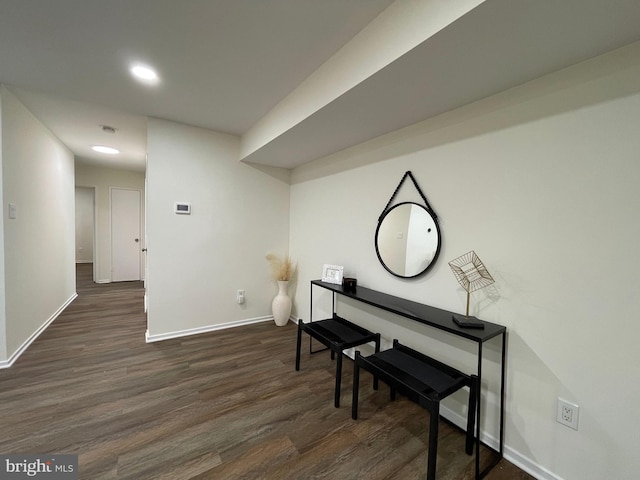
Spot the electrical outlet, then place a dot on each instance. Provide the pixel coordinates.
(567, 414)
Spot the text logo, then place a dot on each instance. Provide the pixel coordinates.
(49, 467)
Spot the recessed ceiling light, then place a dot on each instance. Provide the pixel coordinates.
(144, 73)
(103, 149)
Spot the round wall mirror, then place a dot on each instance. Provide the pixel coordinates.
(407, 240)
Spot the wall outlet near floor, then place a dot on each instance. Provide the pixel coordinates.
(567, 413)
(240, 296)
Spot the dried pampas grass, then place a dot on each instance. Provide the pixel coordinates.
(281, 268)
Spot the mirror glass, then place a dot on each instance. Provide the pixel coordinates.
(407, 240)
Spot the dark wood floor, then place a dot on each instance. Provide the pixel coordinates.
(224, 405)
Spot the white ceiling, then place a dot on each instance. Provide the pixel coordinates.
(224, 64)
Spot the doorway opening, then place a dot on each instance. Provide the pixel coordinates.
(85, 204)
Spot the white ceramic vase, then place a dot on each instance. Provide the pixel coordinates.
(281, 305)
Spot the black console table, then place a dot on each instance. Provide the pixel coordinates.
(441, 320)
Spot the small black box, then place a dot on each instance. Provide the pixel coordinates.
(349, 284)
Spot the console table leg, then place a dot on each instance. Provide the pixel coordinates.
(338, 378)
(434, 419)
(478, 409)
(503, 367)
(471, 415)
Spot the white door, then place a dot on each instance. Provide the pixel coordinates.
(125, 235)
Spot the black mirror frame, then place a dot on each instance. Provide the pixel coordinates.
(435, 256)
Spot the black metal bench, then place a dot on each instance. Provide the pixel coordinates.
(423, 380)
(337, 334)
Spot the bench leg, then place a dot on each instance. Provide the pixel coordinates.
(299, 344)
(434, 420)
(471, 414)
(356, 387)
(338, 378)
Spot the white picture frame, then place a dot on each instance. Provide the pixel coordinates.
(332, 274)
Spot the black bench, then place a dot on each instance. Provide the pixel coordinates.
(337, 334)
(423, 380)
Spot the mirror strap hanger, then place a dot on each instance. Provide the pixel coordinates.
(415, 183)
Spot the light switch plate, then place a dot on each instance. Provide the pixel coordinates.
(13, 211)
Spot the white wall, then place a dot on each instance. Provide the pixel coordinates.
(39, 260)
(85, 211)
(103, 179)
(197, 262)
(542, 182)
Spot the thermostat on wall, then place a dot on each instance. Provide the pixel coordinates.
(183, 208)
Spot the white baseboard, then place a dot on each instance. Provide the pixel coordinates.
(510, 454)
(205, 329)
(528, 465)
(11, 360)
(461, 422)
(106, 280)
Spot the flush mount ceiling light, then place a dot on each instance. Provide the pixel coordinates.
(104, 149)
(144, 73)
